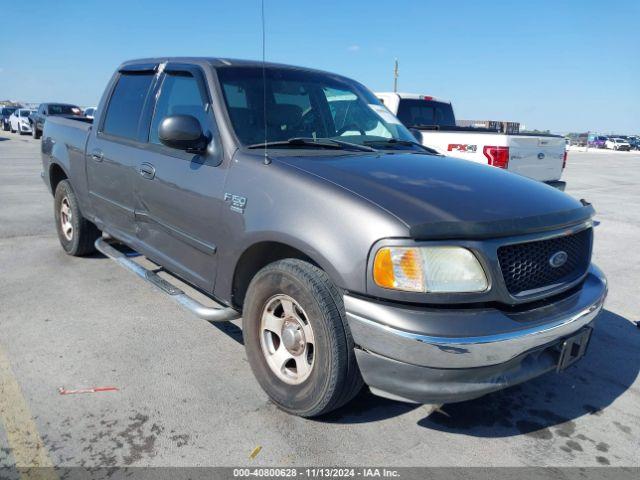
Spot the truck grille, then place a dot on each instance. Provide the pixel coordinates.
(527, 266)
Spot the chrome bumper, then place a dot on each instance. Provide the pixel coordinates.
(470, 338)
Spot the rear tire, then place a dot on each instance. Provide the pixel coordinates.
(36, 134)
(76, 234)
(331, 377)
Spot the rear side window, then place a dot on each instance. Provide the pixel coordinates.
(125, 107)
(181, 94)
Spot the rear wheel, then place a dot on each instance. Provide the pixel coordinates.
(297, 340)
(76, 234)
(35, 133)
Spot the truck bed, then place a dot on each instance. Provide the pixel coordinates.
(441, 128)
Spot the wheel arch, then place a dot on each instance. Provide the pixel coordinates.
(262, 253)
(57, 173)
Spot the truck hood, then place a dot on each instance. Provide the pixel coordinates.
(444, 197)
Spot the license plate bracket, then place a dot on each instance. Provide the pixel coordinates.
(573, 348)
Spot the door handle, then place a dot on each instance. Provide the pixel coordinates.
(97, 155)
(147, 170)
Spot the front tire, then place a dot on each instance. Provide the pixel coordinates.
(297, 339)
(76, 234)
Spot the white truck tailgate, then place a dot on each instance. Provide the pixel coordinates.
(536, 157)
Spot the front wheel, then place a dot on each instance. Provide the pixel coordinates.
(297, 339)
(76, 234)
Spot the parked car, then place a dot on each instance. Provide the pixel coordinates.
(352, 253)
(538, 156)
(19, 121)
(597, 141)
(5, 113)
(617, 144)
(46, 110)
(89, 112)
(634, 143)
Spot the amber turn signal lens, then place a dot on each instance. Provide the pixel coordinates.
(383, 269)
(398, 268)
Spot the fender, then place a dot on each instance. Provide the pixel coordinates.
(229, 263)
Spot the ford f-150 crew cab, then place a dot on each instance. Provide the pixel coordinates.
(541, 157)
(352, 253)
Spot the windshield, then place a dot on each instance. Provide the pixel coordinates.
(8, 111)
(425, 113)
(305, 104)
(25, 113)
(64, 110)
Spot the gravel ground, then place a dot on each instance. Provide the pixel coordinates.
(186, 394)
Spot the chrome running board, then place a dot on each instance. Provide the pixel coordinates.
(210, 314)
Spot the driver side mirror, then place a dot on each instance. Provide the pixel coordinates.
(183, 132)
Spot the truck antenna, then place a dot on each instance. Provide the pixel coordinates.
(395, 77)
(267, 160)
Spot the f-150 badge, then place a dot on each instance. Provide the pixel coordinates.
(238, 203)
(461, 147)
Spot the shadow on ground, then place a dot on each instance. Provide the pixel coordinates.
(553, 400)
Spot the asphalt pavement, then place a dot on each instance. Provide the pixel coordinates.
(185, 393)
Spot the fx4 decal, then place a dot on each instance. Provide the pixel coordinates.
(460, 147)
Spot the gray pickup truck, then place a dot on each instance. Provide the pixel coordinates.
(353, 254)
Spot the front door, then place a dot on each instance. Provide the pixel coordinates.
(179, 194)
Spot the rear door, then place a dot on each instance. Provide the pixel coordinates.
(178, 195)
(536, 157)
(114, 149)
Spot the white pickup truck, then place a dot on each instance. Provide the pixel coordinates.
(541, 157)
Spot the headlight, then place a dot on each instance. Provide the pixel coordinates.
(429, 269)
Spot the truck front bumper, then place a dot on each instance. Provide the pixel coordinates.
(444, 355)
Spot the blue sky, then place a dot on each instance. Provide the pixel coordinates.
(565, 66)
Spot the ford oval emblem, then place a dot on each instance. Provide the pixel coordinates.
(540, 156)
(558, 259)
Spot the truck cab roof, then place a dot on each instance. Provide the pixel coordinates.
(215, 62)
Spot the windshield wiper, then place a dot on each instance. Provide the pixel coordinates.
(314, 143)
(405, 143)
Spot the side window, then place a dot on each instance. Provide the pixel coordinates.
(181, 94)
(125, 106)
